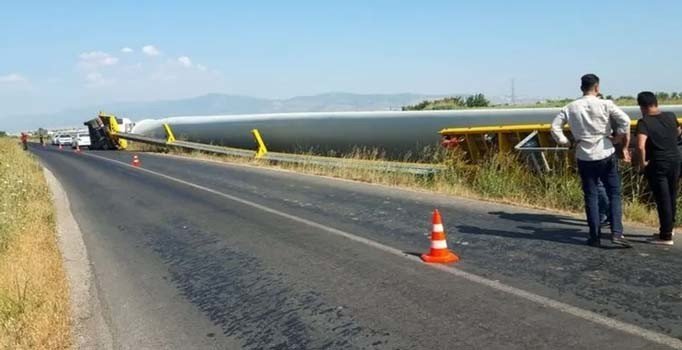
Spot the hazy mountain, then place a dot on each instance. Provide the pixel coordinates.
(213, 104)
(350, 102)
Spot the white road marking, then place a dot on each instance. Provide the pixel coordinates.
(544, 301)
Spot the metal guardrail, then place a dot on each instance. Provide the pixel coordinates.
(387, 166)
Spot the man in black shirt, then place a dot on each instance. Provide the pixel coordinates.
(657, 134)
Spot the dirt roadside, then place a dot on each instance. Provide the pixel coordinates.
(90, 330)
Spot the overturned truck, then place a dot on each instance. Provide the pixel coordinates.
(103, 130)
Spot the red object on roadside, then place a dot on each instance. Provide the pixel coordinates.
(439, 252)
(24, 140)
(136, 160)
(451, 142)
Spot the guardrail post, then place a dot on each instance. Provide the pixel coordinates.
(503, 142)
(170, 137)
(262, 150)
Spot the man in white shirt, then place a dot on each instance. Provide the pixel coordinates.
(590, 119)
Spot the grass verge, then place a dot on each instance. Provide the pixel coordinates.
(502, 178)
(34, 307)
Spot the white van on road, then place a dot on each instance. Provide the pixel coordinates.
(55, 140)
(64, 140)
(81, 140)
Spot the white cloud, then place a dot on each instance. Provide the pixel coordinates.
(126, 50)
(93, 77)
(104, 76)
(150, 50)
(92, 66)
(12, 78)
(185, 61)
(98, 80)
(95, 59)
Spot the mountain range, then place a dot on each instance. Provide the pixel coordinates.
(216, 104)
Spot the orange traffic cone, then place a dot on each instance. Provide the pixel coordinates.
(61, 148)
(136, 161)
(78, 148)
(439, 245)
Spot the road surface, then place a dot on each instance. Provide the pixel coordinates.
(194, 254)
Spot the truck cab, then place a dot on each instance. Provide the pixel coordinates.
(103, 131)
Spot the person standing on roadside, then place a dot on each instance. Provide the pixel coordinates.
(24, 140)
(590, 119)
(603, 197)
(659, 159)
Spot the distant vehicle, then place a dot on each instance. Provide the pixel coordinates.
(64, 140)
(81, 140)
(55, 138)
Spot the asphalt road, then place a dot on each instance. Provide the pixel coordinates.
(193, 254)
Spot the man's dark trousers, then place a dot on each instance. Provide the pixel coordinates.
(663, 177)
(605, 170)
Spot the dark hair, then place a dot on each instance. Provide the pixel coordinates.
(588, 82)
(647, 99)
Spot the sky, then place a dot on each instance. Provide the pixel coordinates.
(61, 54)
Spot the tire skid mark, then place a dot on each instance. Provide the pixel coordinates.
(251, 303)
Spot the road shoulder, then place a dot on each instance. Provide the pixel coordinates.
(90, 331)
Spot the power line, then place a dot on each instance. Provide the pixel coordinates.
(513, 92)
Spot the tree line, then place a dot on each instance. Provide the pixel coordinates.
(455, 102)
(663, 98)
(479, 101)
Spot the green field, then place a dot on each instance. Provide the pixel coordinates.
(479, 101)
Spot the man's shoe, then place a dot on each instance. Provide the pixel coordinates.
(658, 235)
(659, 241)
(620, 239)
(593, 242)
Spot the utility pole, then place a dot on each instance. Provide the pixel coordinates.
(513, 92)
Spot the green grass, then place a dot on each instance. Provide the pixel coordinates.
(454, 103)
(506, 178)
(618, 101)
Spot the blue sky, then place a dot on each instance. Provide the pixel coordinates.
(62, 54)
